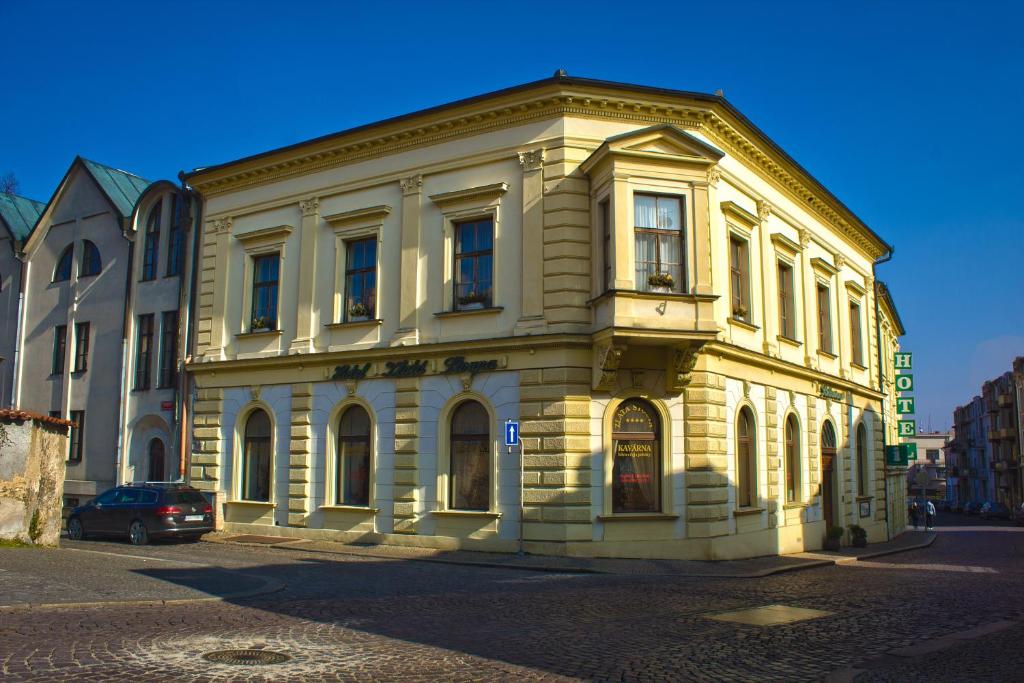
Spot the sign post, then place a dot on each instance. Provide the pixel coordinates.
(512, 440)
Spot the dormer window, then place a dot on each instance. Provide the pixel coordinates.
(660, 243)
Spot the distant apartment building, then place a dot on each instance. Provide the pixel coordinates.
(931, 459)
(17, 216)
(968, 456)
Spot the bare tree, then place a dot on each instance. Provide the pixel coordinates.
(9, 183)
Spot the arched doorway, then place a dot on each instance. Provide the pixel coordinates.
(156, 461)
(828, 456)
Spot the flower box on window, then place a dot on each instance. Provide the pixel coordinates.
(260, 324)
(661, 282)
(473, 301)
(358, 312)
(739, 311)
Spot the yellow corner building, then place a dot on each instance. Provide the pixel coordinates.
(685, 322)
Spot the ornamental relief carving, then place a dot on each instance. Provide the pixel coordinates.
(714, 175)
(532, 160)
(310, 206)
(764, 209)
(411, 185)
(680, 370)
(606, 365)
(221, 226)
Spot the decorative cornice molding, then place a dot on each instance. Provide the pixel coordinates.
(532, 160)
(411, 185)
(738, 213)
(783, 243)
(310, 206)
(641, 108)
(274, 233)
(372, 215)
(484, 193)
(823, 266)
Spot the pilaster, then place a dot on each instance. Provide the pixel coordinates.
(532, 316)
(809, 291)
(306, 317)
(204, 466)
(408, 294)
(707, 479)
(300, 455)
(408, 497)
(702, 280)
(773, 461)
(221, 229)
(769, 282)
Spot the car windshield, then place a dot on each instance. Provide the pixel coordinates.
(186, 497)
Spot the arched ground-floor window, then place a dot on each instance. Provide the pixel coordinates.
(256, 457)
(636, 454)
(469, 473)
(352, 471)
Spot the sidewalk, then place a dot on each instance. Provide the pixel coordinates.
(738, 569)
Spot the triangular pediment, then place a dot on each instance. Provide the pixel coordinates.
(662, 142)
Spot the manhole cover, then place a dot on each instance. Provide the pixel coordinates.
(246, 657)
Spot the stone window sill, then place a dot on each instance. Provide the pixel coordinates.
(351, 508)
(354, 323)
(250, 335)
(739, 322)
(858, 365)
(744, 512)
(638, 517)
(253, 503)
(864, 499)
(471, 311)
(478, 514)
(788, 340)
(794, 506)
(827, 354)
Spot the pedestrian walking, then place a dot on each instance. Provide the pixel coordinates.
(914, 513)
(929, 518)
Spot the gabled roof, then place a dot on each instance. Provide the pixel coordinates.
(121, 187)
(20, 214)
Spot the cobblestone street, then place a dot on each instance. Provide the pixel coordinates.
(361, 618)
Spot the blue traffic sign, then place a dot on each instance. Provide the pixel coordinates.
(512, 432)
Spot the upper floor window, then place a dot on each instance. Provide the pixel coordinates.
(151, 244)
(746, 460)
(636, 466)
(474, 264)
(266, 273)
(63, 270)
(469, 470)
(739, 271)
(91, 263)
(168, 350)
(60, 345)
(787, 305)
(660, 243)
(824, 320)
(352, 485)
(175, 239)
(76, 436)
(361, 279)
(81, 347)
(144, 351)
(604, 215)
(856, 336)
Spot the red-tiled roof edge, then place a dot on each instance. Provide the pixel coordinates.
(15, 415)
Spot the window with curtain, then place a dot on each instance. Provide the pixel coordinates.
(352, 474)
(739, 271)
(151, 242)
(474, 264)
(62, 272)
(81, 347)
(856, 337)
(660, 242)
(469, 473)
(256, 457)
(91, 263)
(266, 272)
(143, 351)
(636, 452)
(862, 460)
(746, 460)
(175, 239)
(824, 319)
(787, 306)
(792, 459)
(360, 279)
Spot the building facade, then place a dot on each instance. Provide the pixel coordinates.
(970, 456)
(17, 217)
(931, 459)
(680, 316)
(1002, 400)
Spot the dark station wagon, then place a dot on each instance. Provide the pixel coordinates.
(142, 512)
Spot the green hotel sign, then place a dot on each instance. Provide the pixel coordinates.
(900, 455)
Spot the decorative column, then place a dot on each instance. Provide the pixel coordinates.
(842, 318)
(300, 455)
(810, 294)
(532, 316)
(213, 292)
(702, 212)
(770, 322)
(408, 294)
(306, 321)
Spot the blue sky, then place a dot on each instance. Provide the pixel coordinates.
(911, 113)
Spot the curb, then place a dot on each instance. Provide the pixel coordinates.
(892, 551)
(269, 586)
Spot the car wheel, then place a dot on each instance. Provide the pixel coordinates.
(76, 532)
(138, 534)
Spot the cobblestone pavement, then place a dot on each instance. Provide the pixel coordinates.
(359, 618)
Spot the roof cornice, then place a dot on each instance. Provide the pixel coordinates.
(712, 116)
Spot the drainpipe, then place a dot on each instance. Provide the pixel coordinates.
(188, 296)
(16, 361)
(881, 379)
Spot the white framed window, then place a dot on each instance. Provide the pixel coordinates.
(357, 256)
(263, 276)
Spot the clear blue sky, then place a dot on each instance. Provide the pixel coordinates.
(911, 114)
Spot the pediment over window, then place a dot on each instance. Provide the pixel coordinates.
(661, 144)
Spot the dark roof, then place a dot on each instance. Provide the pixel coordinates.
(123, 188)
(883, 291)
(15, 415)
(20, 214)
(559, 78)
